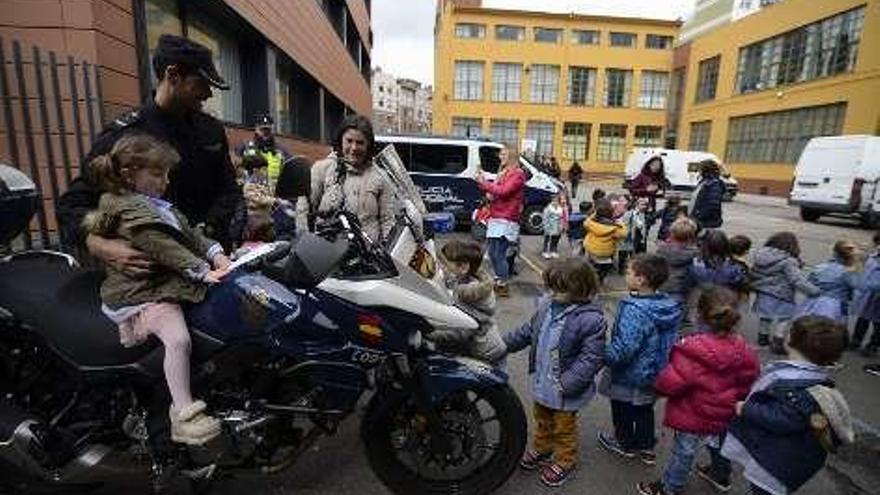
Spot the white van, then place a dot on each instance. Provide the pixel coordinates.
(682, 169)
(444, 167)
(840, 175)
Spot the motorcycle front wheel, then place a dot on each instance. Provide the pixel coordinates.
(482, 437)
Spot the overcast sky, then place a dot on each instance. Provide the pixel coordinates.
(403, 30)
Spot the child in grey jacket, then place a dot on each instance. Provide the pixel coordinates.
(776, 279)
(474, 288)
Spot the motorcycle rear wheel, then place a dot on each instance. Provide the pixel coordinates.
(398, 442)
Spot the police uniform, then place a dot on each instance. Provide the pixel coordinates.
(202, 185)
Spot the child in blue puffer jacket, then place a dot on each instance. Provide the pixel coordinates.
(794, 416)
(644, 331)
(838, 279)
(566, 337)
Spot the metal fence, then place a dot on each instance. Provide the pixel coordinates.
(51, 111)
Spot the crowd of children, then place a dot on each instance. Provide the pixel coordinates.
(677, 335)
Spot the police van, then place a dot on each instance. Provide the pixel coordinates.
(444, 169)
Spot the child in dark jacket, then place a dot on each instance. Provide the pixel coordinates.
(566, 337)
(793, 416)
(644, 330)
(708, 373)
(679, 252)
(714, 264)
(672, 211)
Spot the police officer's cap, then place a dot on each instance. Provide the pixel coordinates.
(173, 49)
(264, 120)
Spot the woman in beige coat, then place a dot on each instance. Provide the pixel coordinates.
(349, 180)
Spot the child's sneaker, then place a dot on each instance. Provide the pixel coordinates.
(653, 488)
(533, 460)
(191, 426)
(555, 475)
(610, 443)
(705, 472)
(648, 457)
(872, 369)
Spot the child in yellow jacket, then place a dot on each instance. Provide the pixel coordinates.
(603, 236)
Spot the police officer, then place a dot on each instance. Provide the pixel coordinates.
(288, 175)
(202, 185)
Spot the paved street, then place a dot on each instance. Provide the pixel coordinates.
(338, 464)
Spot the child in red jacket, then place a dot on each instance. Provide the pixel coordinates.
(708, 373)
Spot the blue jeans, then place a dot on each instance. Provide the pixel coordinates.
(684, 449)
(498, 257)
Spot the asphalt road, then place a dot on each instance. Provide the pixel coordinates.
(338, 464)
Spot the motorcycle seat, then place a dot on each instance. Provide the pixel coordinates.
(62, 303)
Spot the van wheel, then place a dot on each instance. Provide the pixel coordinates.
(532, 221)
(810, 215)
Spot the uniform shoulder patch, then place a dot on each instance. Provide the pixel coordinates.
(126, 120)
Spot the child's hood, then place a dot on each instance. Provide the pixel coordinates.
(678, 255)
(769, 258)
(601, 228)
(723, 354)
(664, 311)
(836, 410)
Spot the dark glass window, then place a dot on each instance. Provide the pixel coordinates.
(439, 158)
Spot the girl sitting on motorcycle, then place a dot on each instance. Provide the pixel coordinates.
(567, 339)
(473, 287)
(133, 176)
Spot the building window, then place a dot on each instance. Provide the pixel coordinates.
(648, 136)
(544, 83)
(465, 30)
(617, 87)
(658, 42)
(623, 39)
(162, 17)
(612, 143)
(505, 131)
(467, 126)
(283, 103)
(542, 133)
(821, 49)
(510, 33)
(700, 132)
(547, 35)
(506, 82)
(225, 105)
(575, 141)
(581, 86)
(707, 79)
(468, 80)
(780, 137)
(584, 37)
(654, 89)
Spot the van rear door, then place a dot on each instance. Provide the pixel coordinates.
(825, 173)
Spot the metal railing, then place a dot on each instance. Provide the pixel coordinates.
(47, 102)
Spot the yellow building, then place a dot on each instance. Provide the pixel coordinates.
(759, 87)
(585, 88)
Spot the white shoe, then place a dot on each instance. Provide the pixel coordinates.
(191, 426)
(545, 255)
(554, 255)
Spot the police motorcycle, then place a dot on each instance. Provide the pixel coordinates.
(284, 350)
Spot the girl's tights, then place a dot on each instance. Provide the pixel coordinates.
(166, 321)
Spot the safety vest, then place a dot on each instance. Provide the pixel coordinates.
(274, 160)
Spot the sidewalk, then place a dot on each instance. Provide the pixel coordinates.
(759, 200)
